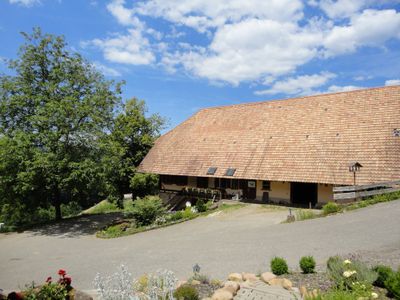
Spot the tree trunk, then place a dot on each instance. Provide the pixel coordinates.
(57, 206)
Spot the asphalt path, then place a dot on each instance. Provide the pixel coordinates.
(243, 240)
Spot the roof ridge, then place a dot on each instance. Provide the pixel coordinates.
(296, 98)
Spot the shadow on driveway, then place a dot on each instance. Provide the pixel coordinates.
(74, 227)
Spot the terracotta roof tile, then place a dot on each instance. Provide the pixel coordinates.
(307, 139)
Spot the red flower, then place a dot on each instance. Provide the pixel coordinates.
(62, 272)
(67, 280)
(48, 280)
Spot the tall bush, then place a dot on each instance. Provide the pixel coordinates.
(146, 210)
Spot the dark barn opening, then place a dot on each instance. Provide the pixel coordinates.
(301, 194)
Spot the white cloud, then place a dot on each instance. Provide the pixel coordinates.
(206, 14)
(244, 51)
(362, 78)
(252, 40)
(342, 8)
(370, 28)
(300, 85)
(131, 48)
(26, 3)
(108, 71)
(347, 88)
(392, 82)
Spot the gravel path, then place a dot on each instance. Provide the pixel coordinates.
(243, 240)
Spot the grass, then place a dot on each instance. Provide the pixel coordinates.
(333, 208)
(305, 214)
(373, 200)
(105, 207)
(120, 230)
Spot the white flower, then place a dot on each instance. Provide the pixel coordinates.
(374, 295)
(347, 262)
(347, 274)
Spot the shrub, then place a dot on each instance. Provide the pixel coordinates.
(51, 290)
(188, 213)
(186, 292)
(200, 205)
(307, 264)
(279, 266)
(330, 208)
(145, 211)
(345, 272)
(71, 209)
(144, 184)
(176, 216)
(383, 274)
(392, 284)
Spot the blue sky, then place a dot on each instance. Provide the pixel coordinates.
(183, 55)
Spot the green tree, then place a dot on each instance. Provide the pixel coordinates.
(55, 110)
(132, 136)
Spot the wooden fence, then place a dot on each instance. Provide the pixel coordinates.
(352, 192)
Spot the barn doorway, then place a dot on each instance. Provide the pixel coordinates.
(301, 194)
(249, 188)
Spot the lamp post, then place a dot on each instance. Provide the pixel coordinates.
(355, 167)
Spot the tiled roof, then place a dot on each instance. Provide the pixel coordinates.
(307, 139)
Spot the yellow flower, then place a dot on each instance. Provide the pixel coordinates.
(347, 262)
(347, 274)
(374, 295)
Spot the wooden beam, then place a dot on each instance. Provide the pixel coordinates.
(354, 195)
(352, 188)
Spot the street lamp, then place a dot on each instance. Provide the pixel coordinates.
(354, 167)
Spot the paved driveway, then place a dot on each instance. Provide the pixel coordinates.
(243, 240)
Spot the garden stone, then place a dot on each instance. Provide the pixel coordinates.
(283, 282)
(267, 276)
(303, 291)
(195, 282)
(222, 294)
(249, 277)
(235, 277)
(232, 286)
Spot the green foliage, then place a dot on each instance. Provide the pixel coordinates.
(201, 206)
(392, 284)
(383, 274)
(304, 214)
(176, 216)
(331, 208)
(337, 294)
(102, 208)
(186, 292)
(374, 200)
(188, 213)
(146, 210)
(54, 113)
(132, 136)
(279, 266)
(345, 272)
(307, 264)
(144, 184)
(71, 209)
